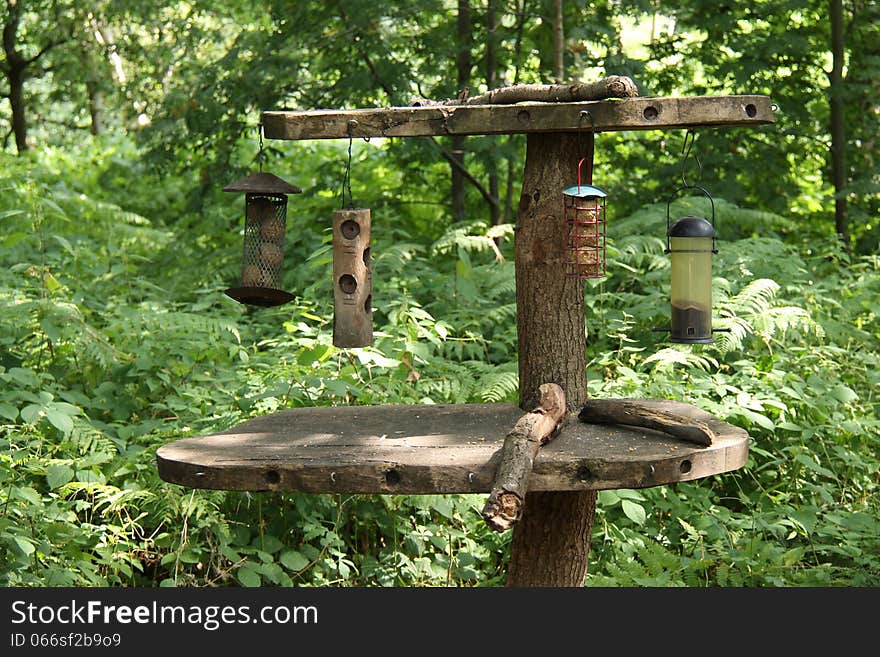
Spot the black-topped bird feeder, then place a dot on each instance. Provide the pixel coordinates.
(690, 243)
(265, 218)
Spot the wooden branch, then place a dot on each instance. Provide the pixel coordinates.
(507, 498)
(44, 50)
(649, 414)
(614, 86)
(449, 157)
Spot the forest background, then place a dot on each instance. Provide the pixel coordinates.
(122, 121)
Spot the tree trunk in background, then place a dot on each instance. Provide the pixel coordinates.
(492, 165)
(838, 123)
(463, 69)
(14, 68)
(96, 107)
(15, 77)
(552, 540)
(558, 44)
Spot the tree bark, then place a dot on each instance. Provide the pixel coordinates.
(15, 69)
(552, 540)
(492, 163)
(838, 123)
(636, 413)
(505, 503)
(558, 44)
(463, 70)
(613, 86)
(96, 107)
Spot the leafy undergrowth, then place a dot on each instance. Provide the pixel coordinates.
(115, 338)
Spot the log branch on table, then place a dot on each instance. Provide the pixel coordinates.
(505, 504)
(613, 86)
(635, 412)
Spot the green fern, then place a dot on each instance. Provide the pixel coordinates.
(498, 385)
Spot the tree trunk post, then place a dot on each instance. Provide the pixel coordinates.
(839, 174)
(552, 540)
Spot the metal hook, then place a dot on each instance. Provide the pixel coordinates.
(689, 138)
(589, 150)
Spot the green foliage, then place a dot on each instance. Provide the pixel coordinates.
(111, 346)
(115, 337)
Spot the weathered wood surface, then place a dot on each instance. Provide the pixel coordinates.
(439, 120)
(507, 497)
(430, 449)
(613, 86)
(648, 413)
(352, 279)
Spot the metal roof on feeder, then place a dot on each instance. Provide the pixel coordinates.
(584, 191)
(262, 183)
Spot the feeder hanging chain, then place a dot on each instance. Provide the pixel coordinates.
(346, 178)
(261, 156)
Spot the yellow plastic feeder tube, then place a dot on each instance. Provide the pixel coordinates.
(691, 241)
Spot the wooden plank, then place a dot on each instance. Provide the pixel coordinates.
(437, 449)
(608, 115)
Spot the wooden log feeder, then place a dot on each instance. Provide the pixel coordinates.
(352, 279)
(546, 493)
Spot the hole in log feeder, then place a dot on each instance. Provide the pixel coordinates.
(392, 477)
(685, 467)
(751, 111)
(651, 113)
(272, 476)
(367, 256)
(368, 304)
(347, 283)
(350, 229)
(524, 116)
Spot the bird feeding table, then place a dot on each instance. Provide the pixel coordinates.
(431, 449)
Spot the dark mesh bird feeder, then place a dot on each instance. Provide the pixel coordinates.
(265, 217)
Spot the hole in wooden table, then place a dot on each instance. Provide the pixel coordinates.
(584, 474)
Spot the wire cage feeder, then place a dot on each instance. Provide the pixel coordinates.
(584, 213)
(262, 264)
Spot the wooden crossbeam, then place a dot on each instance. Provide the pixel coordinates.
(608, 115)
